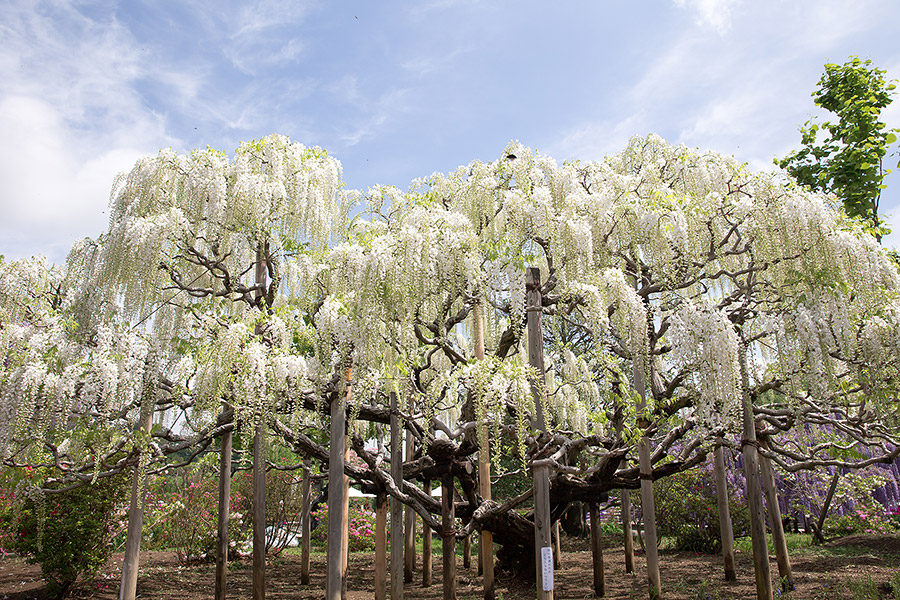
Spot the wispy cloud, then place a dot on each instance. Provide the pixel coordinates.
(714, 14)
(71, 118)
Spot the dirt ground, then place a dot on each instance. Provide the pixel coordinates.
(685, 576)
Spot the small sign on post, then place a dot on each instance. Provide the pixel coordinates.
(547, 568)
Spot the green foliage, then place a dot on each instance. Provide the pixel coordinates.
(849, 161)
(69, 534)
(687, 511)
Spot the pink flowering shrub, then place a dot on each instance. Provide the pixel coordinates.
(361, 527)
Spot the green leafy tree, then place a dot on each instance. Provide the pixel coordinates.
(849, 162)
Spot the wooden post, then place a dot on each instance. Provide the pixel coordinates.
(448, 535)
(597, 550)
(648, 504)
(259, 513)
(409, 541)
(259, 465)
(557, 546)
(305, 525)
(128, 587)
(336, 539)
(224, 510)
(345, 523)
(625, 501)
(467, 552)
(725, 527)
(754, 494)
(820, 523)
(380, 545)
(396, 505)
(426, 545)
(541, 472)
(486, 540)
(774, 510)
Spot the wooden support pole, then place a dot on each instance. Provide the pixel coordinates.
(448, 537)
(597, 551)
(541, 472)
(336, 539)
(820, 523)
(625, 501)
(224, 510)
(557, 546)
(409, 540)
(259, 514)
(305, 525)
(726, 529)
(259, 464)
(381, 546)
(648, 504)
(396, 505)
(427, 560)
(345, 524)
(774, 510)
(754, 494)
(486, 540)
(467, 552)
(128, 587)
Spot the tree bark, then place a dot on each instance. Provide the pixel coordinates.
(224, 510)
(726, 529)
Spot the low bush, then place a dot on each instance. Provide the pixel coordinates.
(70, 533)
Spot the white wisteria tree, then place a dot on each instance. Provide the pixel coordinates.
(685, 299)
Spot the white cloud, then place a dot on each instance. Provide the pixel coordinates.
(715, 14)
(71, 118)
(49, 196)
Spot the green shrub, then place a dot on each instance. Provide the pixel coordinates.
(69, 534)
(687, 511)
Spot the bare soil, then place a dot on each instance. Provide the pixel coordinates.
(689, 576)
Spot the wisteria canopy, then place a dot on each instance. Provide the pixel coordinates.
(711, 280)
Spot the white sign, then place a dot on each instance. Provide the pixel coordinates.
(547, 568)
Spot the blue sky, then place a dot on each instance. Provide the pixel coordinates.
(398, 90)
